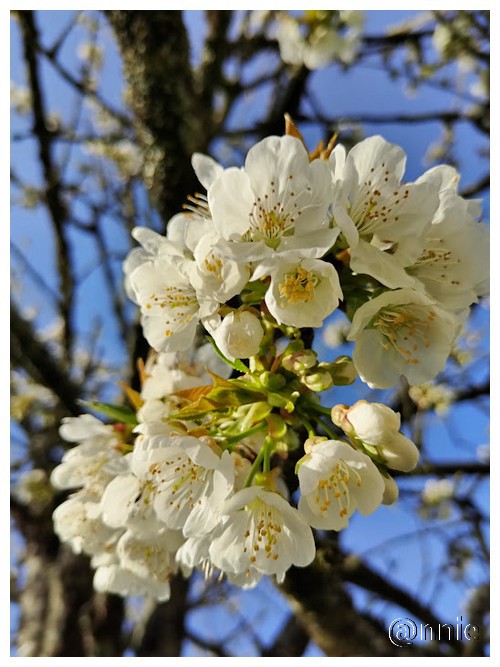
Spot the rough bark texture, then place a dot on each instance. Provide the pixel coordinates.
(161, 94)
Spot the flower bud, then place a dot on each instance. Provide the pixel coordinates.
(320, 380)
(272, 381)
(342, 370)
(300, 362)
(400, 453)
(339, 418)
(391, 491)
(373, 423)
(239, 335)
(376, 425)
(314, 440)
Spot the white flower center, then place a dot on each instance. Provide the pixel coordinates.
(435, 261)
(213, 265)
(367, 211)
(182, 480)
(405, 330)
(297, 287)
(263, 531)
(273, 215)
(336, 488)
(181, 305)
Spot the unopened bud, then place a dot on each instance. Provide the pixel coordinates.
(272, 381)
(342, 370)
(239, 335)
(320, 380)
(391, 491)
(300, 362)
(310, 442)
(339, 417)
(376, 425)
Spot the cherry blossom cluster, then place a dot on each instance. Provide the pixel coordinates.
(316, 38)
(197, 473)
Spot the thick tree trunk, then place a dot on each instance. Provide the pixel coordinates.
(161, 93)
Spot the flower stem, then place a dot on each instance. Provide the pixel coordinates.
(254, 468)
(320, 409)
(233, 439)
(267, 447)
(307, 424)
(329, 431)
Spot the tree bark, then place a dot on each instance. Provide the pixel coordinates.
(162, 96)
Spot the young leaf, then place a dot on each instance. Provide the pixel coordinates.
(118, 413)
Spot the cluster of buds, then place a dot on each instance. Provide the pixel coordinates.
(319, 376)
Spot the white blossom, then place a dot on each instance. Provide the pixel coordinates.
(170, 309)
(401, 332)
(335, 480)
(191, 481)
(78, 522)
(383, 221)
(152, 558)
(453, 266)
(278, 201)
(437, 490)
(261, 532)
(127, 502)
(89, 431)
(319, 42)
(303, 292)
(94, 462)
(169, 372)
(115, 579)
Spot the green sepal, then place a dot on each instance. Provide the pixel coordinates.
(280, 400)
(254, 292)
(237, 364)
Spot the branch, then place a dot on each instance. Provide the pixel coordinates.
(477, 187)
(37, 360)
(292, 641)
(444, 469)
(53, 191)
(162, 95)
(164, 631)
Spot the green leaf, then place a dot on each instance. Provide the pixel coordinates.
(118, 413)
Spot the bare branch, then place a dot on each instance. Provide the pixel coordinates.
(53, 191)
(32, 355)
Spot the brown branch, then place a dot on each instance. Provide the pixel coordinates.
(216, 51)
(477, 187)
(162, 95)
(164, 630)
(61, 616)
(214, 647)
(29, 353)
(291, 641)
(444, 469)
(53, 190)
